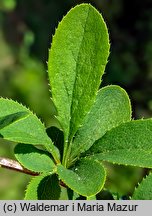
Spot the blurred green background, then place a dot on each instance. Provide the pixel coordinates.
(26, 29)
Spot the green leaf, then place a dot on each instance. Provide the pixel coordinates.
(77, 60)
(9, 119)
(87, 178)
(111, 108)
(144, 190)
(19, 124)
(43, 187)
(34, 159)
(127, 144)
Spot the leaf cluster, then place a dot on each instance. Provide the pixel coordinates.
(95, 125)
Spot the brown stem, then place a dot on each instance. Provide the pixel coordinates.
(62, 184)
(14, 165)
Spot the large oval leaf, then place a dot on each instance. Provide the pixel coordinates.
(87, 178)
(34, 159)
(44, 187)
(77, 60)
(111, 108)
(128, 144)
(144, 189)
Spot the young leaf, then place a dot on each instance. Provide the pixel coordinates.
(127, 144)
(34, 159)
(77, 60)
(43, 187)
(144, 190)
(111, 108)
(87, 178)
(19, 124)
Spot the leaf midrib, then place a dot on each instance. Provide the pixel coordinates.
(71, 107)
(16, 121)
(70, 135)
(20, 119)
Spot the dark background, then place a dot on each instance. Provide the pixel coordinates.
(26, 29)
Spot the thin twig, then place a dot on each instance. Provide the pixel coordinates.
(14, 165)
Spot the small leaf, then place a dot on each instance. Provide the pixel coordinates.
(111, 108)
(87, 178)
(144, 190)
(127, 144)
(34, 159)
(43, 188)
(77, 61)
(19, 124)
